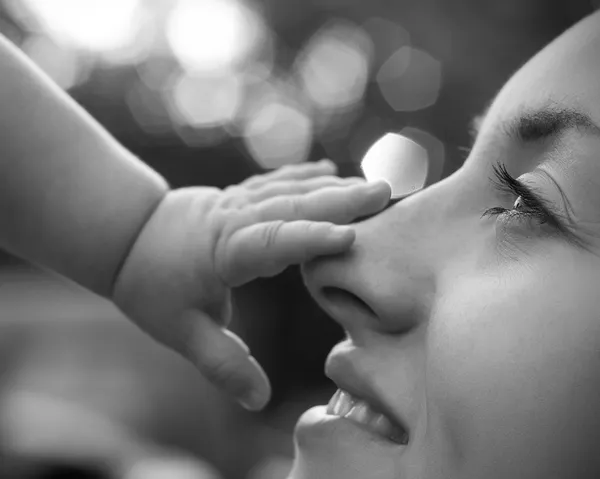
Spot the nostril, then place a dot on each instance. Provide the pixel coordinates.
(345, 299)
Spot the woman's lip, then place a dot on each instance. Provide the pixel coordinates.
(346, 368)
(316, 427)
(360, 411)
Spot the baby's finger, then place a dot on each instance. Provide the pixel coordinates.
(224, 359)
(337, 205)
(266, 249)
(295, 187)
(300, 171)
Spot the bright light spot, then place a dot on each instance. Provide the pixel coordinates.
(61, 64)
(398, 160)
(207, 101)
(387, 37)
(136, 51)
(260, 91)
(278, 134)
(334, 67)
(436, 151)
(410, 79)
(213, 34)
(97, 25)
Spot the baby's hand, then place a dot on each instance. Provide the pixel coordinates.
(201, 242)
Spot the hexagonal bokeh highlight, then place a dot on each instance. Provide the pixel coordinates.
(410, 79)
(400, 161)
(279, 133)
(204, 101)
(333, 68)
(210, 35)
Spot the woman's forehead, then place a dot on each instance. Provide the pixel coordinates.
(565, 74)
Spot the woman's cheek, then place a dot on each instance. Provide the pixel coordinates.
(509, 357)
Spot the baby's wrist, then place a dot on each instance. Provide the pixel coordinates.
(162, 253)
(133, 246)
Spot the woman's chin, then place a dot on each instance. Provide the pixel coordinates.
(330, 447)
(317, 466)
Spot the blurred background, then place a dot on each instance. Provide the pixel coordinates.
(209, 92)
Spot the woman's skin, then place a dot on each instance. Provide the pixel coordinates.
(482, 335)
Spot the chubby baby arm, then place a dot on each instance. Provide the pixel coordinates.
(72, 199)
(201, 242)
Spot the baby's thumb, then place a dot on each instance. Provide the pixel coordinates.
(225, 360)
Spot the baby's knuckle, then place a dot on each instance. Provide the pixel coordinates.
(251, 181)
(224, 267)
(233, 197)
(311, 228)
(270, 233)
(231, 189)
(296, 206)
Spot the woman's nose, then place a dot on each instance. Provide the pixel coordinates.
(381, 284)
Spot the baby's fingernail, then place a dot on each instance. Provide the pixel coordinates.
(252, 401)
(327, 162)
(379, 186)
(341, 233)
(355, 180)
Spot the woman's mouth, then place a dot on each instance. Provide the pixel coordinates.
(346, 405)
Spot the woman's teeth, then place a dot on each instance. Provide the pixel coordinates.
(345, 405)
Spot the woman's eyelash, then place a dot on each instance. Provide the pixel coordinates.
(536, 206)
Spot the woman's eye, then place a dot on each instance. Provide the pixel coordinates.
(520, 212)
(530, 211)
(520, 207)
(528, 208)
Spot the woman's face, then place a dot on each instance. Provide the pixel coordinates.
(480, 335)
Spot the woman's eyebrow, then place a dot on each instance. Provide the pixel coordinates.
(543, 123)
(549, 122)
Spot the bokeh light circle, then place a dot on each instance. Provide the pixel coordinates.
(206, 100)
(400, 161)
(211, 35)
(334, 66)
(279, 133)
(96, 25)
(410, 79)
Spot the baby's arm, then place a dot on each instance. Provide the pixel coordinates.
(72, 199)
